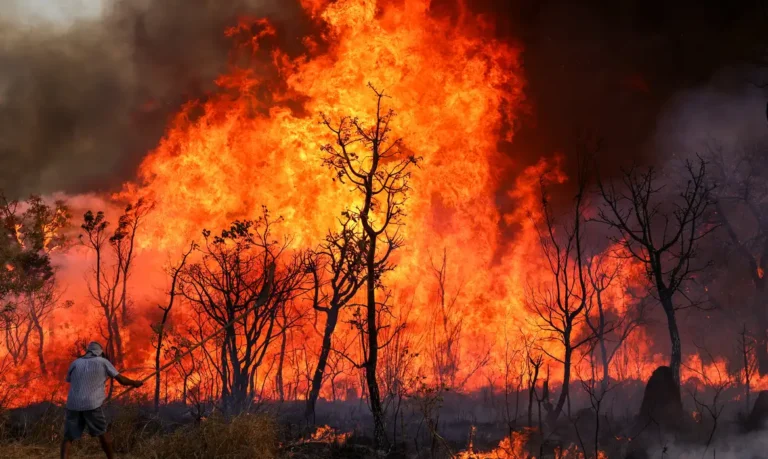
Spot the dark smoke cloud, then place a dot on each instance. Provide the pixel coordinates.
(80, 107)
(609, 68)
(725, 116)
(81, 104)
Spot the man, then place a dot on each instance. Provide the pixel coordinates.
(87, 377)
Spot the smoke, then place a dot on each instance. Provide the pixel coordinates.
(86, 92)
(721, 119)
(728, 112)
(744, 447)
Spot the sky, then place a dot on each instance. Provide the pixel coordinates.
(61, 13)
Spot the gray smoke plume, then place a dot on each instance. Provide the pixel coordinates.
(728, 111)
(85, 93)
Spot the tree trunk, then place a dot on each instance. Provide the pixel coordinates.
(531, 393)
(40, 345)
(160, 336)
(566, 386)
(606, 364)
(761, 326)
(317, 378)
(676, 356)
(281, 361)
(371, 365)
(117, 340)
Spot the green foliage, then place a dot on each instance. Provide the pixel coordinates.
(29, 232)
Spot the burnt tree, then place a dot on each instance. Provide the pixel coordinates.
(338, 273)
(114, 254)
(609, 327)
(373, 162)
(124, 241)
(560, 302)
(236, 287)
(741, 201)
(160, 328)
(446, 330)
(662, 230)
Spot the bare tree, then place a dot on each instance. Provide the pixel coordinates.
(597, 393)
(610, 331)
(235, 285)
(717, 384)
(561, 302)
(112, 268)
(178, 348)
(746, 347)
(124, 241)
(533, 363)
(373, 162)
(338, 274)
(662, 231)
(160, 328)
(289, 317)
(446, 329)
(741, 201)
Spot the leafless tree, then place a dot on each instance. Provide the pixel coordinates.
(338, 273)
(534, 361)
(237, 286)
(124, 241)
(112, 268)
(373, 162)
(515, 363)
(746, 347)
(662, 231)
(185, 364)
(741, 202)
(398, 367)
(289, 317)
(560, 303)
(160, 328)
(446, 329)
(609, 329)
(716, 383)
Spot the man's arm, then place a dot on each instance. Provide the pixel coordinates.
(127, 381)
(113, 373)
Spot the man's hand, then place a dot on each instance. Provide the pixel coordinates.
(128, 382)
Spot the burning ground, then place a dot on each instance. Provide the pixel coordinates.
(334, 224)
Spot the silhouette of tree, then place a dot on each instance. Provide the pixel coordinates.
(374, 163)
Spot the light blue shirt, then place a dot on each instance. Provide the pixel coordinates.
(87, 377)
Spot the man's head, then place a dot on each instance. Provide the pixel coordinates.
(95, 349)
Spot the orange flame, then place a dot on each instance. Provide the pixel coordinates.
(457, 91)
(327, 434)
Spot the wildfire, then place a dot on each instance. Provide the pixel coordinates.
(512, 447)
(327, 434)
(516, 446)
(457, 92)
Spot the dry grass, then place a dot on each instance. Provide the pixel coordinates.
(245, 436)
